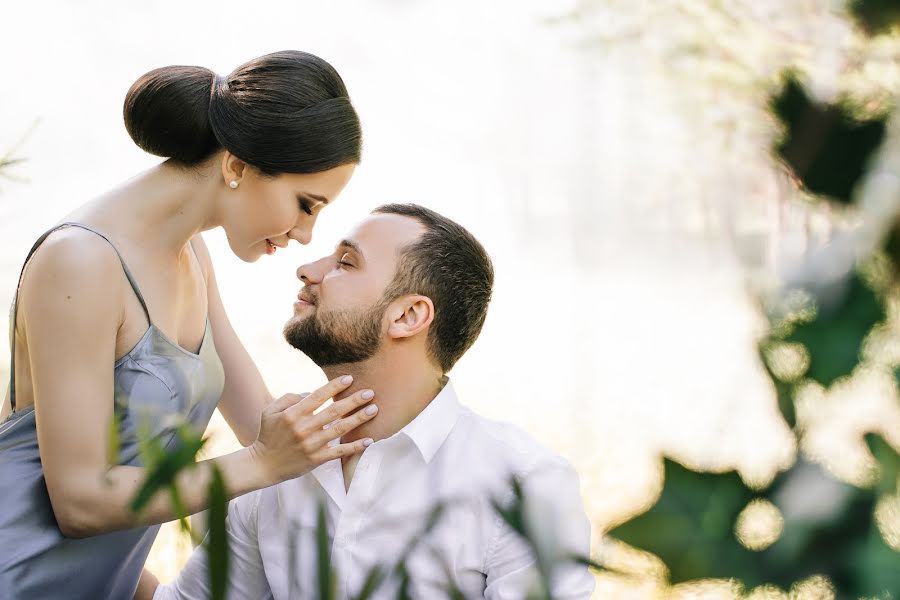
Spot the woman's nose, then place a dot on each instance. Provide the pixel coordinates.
(302, 234)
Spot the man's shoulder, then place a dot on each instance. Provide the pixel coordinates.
(504, 442)
(273, 506)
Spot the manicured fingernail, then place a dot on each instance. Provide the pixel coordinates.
(368, 394)
(347, 379)
(368, 442)
(326, 426)
(371, 410)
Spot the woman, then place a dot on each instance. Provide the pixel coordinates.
(118, 316)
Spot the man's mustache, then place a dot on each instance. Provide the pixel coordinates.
(307, 294)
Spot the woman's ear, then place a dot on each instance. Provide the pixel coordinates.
(232, 168)
(410, 315)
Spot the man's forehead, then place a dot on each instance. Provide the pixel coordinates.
(382, 233)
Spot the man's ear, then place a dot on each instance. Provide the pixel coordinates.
(232, 168)
(410, 315)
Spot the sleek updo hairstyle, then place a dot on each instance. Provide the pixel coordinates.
(285, 112)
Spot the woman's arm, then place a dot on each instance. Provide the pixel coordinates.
(6, 408)
(245, 393)
(71, 305)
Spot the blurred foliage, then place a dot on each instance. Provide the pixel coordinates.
(834, 336)
(825, 146)
(690, 526)
(876, 16)
(217, 540)
(9, 159)
(327, 578)
(163, 466)
(827, 527)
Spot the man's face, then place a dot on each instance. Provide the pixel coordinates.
(339, 317)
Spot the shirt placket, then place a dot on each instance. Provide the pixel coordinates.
(351, 521)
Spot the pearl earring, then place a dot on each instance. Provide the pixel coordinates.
(233, 184)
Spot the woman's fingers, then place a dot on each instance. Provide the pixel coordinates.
(291, 438)
(286, 401)
(342, 426)
(323, 394)
(309, 402)
(340, 408)
(342, 450)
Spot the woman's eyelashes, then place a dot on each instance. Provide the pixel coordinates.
(305, 206)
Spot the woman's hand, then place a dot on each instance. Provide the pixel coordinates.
(293, 441)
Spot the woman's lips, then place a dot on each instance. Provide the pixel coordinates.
(270, 247)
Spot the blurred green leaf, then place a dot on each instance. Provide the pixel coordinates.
(588, 562)
(888, 463)
(327, 582)
(691, 526)
(373, 579)
(876, 568)
(829, 530)
(825, 146)
(834, 338)
(165, 466)
(892, 248)
(513, 513)
(217, 548)
(784, 391)
(113, 443)
(405, 582)
(8, 162)
(875, 16)
(180, 509)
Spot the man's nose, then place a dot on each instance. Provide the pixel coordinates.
(311, 272)
(303, 273)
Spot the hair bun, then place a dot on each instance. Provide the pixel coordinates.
(167, 113)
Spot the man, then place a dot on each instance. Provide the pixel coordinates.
(395, 305)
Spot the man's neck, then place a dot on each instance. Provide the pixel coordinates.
(403, 388)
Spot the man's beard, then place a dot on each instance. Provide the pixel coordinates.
(337, 338)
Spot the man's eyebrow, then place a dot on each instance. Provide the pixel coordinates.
(353, 246)
(316, 197)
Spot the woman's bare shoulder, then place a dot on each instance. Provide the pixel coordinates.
(74, 247)
(71, 258)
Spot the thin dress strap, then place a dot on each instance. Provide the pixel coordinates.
(13, 317)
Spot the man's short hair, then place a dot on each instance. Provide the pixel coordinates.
(451, 267)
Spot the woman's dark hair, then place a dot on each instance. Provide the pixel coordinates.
(285, 112)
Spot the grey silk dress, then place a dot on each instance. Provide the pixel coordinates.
(157, 384)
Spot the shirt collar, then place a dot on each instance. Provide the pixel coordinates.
(430, 428)
(427, 431)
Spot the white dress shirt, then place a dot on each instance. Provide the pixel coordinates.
(448, 454)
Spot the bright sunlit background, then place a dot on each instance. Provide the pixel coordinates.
(612, 157)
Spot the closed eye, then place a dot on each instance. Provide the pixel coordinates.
(304, 206)
(342, 262)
